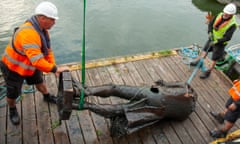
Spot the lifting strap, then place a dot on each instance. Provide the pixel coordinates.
(201, 65)
(83, 58)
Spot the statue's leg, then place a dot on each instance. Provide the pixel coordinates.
(105, 110)
(121, 91)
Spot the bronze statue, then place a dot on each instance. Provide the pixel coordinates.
(146, 106)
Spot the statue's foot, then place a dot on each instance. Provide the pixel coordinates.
(78, 88)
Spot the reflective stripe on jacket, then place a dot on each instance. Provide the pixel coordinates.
(27, 55)
(235, 91)
(219, 33)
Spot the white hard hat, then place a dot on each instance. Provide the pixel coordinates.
(47, 9)
(230, 9)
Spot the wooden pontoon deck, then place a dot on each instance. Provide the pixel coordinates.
(84, 127)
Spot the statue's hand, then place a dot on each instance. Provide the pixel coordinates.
(160, 82)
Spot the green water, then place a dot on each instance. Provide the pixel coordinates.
(116, 27)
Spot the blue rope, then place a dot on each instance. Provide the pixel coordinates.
(192, 53)
(200, 64)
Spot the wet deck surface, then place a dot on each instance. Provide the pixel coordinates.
(84, 127)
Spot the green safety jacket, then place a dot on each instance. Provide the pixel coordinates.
(219, 33)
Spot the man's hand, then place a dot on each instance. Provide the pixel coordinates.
(212, 44)
(232, 107)
(236, 80)
(61, 69)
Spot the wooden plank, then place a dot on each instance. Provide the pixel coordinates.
(60, 132)
(201, 127)
(73, 124)
(86, 122)
(143, 72)
(182, 132)
(193, 132)
(14, 133)
(158, 133)
(87, 127)
(116, 79)
(171, 134)
(43, 120)
(74, 129)
(29, 120)
(146, 136)
(3, 117)
(99, 121)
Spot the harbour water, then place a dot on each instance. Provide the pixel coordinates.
(115, 28)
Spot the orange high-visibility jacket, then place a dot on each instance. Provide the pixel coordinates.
(235, 91)
(27, 55)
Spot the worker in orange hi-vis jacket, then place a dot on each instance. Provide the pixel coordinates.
(28, 55)
(230, 114)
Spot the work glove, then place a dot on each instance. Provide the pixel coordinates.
(213, 43)
(210, 35)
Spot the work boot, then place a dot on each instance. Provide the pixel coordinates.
(14, 117)
(50, 98)
(205, 74)
(218, 134)
(218, 117)
(194, 63)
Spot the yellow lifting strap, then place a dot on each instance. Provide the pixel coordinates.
(231, 137)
